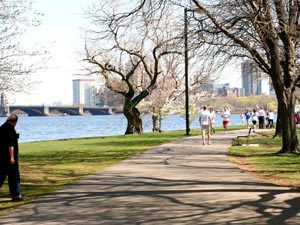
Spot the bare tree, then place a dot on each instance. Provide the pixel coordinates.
(15, 64)
(266, 32)
(127, 49)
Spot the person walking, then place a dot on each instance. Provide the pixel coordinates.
(225, 116)
(254, 119)
(261, 117)
(242, 115)
(248, 116)
(213, 119)
(205, 124)
(270, 119)
(9, 154)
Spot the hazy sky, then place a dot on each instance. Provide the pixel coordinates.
(60, 33)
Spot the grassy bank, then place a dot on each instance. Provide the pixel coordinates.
(48, 165)
(265, 162)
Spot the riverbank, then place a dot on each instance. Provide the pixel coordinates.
(64, 127)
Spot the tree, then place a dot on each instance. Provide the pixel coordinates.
(266, 32)
(167, 87)
(127, 49)
(15, 65)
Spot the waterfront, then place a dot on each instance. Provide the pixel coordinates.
(64, 127)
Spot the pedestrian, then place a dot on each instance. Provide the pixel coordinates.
(213, 119)
(261, 117)
(205, 124)
(254, 116)
(225, 116)
(270, 119)
(9, 154)
(248, 116)
(242, 115)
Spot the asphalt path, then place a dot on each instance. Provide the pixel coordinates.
(182, 182)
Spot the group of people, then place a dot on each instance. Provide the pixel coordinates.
(258, 117)
(207, 122)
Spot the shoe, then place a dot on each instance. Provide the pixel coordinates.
(17, 198)
(203, 143)
(209, 143)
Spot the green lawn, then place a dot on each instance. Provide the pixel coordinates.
(283, 169)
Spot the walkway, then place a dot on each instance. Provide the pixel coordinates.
(181, 182)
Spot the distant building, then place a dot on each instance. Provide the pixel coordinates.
(84, 92)
(254, 81)
(219, 90)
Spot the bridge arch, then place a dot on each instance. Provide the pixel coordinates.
(29, 111)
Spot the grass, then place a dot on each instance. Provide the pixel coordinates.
(46, 166)
(265, 162)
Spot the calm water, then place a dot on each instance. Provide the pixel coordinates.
(62, 127)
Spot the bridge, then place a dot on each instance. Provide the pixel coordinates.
(44, 110)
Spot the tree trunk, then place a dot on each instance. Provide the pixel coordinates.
(134, 121)
(289, 135)
(155, 124)
(155, 120)
(278, 130)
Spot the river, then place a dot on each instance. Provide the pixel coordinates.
(64, 127)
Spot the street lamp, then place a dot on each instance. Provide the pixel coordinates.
(186, 69)
(186, 72)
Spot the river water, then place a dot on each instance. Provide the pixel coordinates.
(64, 127)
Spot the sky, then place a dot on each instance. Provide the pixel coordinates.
(60, 33)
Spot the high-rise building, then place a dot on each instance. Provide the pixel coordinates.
(84, 92)
(254, 81)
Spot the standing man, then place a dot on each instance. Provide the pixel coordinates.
(261, 117)
(205, 124)
(225, 116)
(9, 151)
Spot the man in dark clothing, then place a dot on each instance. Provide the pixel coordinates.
(9, 152)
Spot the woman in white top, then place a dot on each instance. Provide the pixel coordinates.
(225, 116)
(254, 119)
(270, 119)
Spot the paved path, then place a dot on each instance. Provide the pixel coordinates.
(181, 182)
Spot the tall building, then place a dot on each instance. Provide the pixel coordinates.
(84, 92)
(254, 81)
